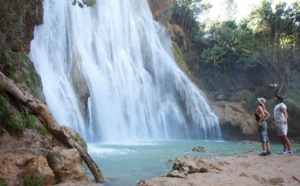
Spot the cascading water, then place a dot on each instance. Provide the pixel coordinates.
(109, 73)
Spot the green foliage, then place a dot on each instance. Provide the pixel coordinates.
(44, 131)
(15, 124)
(30, 121)
(3, 108)
(179, 56)
(293, 88)
(16, 62)
(2, 130)
(53, 158)
(2, 184)
(33, 83)
(21, 79)
(185, 14)
(32, 180)
(10, 118)
(79, 139)
(17, 23)
(221, 49)
(28, 75)
(11, 30)
(267, 42)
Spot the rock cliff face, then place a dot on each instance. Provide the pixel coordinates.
(159, 6)
(235, 120)
(37, 158)
(29, 155)
(17, 22)
(177, 34)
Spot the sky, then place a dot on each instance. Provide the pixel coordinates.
(244, 7)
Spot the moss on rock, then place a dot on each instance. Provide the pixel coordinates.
(18, 19)
(180, 59)
(12, 120)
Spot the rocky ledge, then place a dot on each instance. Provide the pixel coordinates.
(234, 170)
(36, 158)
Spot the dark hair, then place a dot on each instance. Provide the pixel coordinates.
(279, 97)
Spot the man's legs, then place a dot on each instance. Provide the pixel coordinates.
(287, 143)
(283, 143)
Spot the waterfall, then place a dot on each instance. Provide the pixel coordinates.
(109, 73)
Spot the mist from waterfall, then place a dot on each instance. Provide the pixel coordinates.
(109, 73)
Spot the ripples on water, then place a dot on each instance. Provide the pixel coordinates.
(127, 164)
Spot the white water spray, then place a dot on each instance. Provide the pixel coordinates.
(135, 90)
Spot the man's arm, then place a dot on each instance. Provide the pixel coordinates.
(283, 110)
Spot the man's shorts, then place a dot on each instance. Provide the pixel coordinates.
(281, 129)
(263, 132)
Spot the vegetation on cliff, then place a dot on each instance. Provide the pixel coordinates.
(17, 22)
(260, 53)
(265, 44)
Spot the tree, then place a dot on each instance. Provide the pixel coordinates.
(275, 37)
(231, 9)
(221, 51)
(185, 14)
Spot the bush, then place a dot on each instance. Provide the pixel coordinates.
(44, 131)
(30, 121)
(15, 124)
(32, 180)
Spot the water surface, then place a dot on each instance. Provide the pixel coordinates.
(127, 164)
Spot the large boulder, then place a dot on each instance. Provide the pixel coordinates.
(202, 149)
(234, 115)
(242, 96)
(66, 165)
(220, 98)
(11, 168)
(38, 172)
(32, 142)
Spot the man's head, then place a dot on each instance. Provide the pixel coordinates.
(278, 98)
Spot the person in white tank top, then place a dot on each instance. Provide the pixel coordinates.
(281, 125)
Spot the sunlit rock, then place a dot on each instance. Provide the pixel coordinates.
(202, 149)
(38, 172)
(66, 165)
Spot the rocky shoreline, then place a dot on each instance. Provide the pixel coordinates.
(247, 169)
